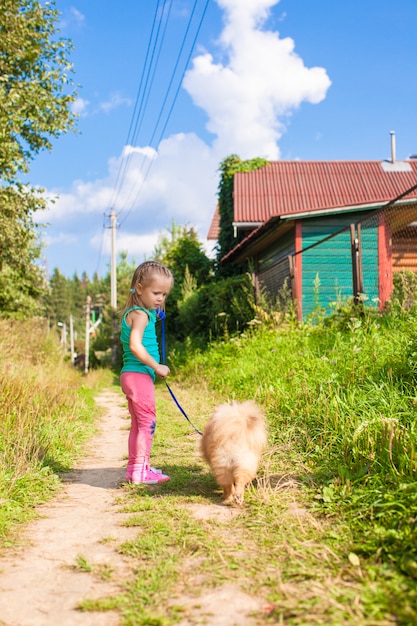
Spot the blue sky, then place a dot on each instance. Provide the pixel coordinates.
(288, 79)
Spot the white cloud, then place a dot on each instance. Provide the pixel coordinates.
(77, 16)
(116, 100)
(248, 95)
(73, 16)
(139, 246)
(177, 181)
(60, 238)
(79, 106)
(249, 98)
(147, 151)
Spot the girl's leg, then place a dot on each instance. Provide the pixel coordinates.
(140, 392)
(134, 444)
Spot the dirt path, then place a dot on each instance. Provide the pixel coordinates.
(40, 583)
(45, 578)
(72, 552)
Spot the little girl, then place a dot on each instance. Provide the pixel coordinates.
(151, 283)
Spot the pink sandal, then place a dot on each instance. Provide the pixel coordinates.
(146, 475)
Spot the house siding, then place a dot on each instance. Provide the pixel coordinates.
(316, 200)
(273, 266)
(331, 263)
(404, 250)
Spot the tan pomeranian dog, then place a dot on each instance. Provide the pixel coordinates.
(232, 444)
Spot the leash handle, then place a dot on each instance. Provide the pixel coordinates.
(161, 316)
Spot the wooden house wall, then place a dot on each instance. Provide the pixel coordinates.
(327, 268)
(370, 263)
(404, 249)
(273, 267)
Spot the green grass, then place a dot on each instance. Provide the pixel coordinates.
(343, 394)
(299, 562)
(47, 414)
(327, 535)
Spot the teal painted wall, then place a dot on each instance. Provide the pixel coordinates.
(327, 268)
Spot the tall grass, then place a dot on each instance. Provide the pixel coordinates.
(343, 393)
(46, 414)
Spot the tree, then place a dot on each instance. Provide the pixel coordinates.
(21, 279)
(34, 78)
(187, 254)
(182, 252)
(58, 302)
(227, 240)
(35, 99)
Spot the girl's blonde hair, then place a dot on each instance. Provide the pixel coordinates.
(143, 276)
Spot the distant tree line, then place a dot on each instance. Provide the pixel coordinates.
(201, 306)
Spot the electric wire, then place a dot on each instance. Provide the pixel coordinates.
(139, 98)
(166, 97)
(146, 99)
(170, 111)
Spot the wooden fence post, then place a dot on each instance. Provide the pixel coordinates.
(356, 253)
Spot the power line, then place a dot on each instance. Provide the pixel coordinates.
(154, 48)
(164, 103)
(139, 97)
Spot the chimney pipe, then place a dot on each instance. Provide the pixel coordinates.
(392, 133)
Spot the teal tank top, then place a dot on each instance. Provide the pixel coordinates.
(150, 342)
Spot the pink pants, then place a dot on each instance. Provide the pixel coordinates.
(140, 393)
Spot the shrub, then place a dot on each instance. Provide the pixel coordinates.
(219, 309)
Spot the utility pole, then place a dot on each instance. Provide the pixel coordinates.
(113, 283)
(113, 287)
(71, 325)
(87, 332)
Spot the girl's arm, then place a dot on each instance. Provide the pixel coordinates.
(139, 320)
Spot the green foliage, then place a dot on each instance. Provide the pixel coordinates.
(46, 416)
(34, 103)
(219, 309)
(124, 272)
(21, 279)
(342, 393)
(58, 302)
(183, 253)
(227, 240)
(187, 255)
(34, 108)
(68, 297)
(275, 311)
(404, 295)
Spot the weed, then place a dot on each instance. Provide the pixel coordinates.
(47, 411)
(327, 534)
(82, 564)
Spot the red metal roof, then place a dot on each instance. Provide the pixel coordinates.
(284, 188)
(213, 233)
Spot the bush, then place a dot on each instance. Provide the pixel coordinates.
(219, 309)
(404, 296)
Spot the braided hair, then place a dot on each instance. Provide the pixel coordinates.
(143, 276)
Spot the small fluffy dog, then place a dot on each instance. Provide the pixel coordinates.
(232, 444)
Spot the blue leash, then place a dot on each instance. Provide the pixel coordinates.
(161, 315)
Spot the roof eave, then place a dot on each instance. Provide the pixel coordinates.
(267, 231)
(345, 209)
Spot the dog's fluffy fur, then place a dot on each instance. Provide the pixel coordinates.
(232, 444)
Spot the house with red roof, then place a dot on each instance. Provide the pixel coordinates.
(304, 222)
